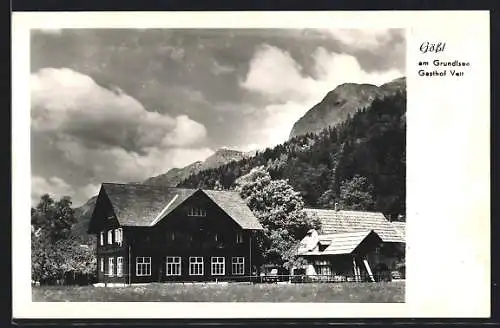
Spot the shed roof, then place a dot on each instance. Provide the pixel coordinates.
(333, 221)
(340, 243)
(145, 205)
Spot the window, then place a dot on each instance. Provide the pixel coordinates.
(218, 267)
(323, 269)
(238, 265)
(102, 238)
(193, 211)
(216, 237)
(239, 237)
(119, 266)
(118, 235)
(110, 236)
(101, 264)
(143, 266)
(196, 266)
(172, 236)
(173, 266)
(111, 267)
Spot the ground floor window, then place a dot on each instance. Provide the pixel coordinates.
(323, 268)
(218, 266)
(111, 267)
(143, 266)
(238, 265)
(173, 266)
(119, 266)
(101, 264)
(196, 266)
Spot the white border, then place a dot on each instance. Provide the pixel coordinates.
(448, 195)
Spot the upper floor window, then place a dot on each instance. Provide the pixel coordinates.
(102, 238)
(118, 235)
(193, 211)
(239, 237)
(110, 236)
(172, 236)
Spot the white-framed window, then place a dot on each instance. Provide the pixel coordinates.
(111, 266)
(193, 211)
(118, 235)
(110, 236)
(239, 237)
(101, 264)
(142, 266)
(173, 266)
(196, 266)
(218, 266)
(119, 266)
(238, 265)
(102, 237)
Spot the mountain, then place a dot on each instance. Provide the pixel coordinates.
(174, 176)
(342, 102)
(327, 167)
(83, 215)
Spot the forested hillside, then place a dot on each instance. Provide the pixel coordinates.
(360, 163)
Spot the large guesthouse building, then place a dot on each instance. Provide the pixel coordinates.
(148, 233)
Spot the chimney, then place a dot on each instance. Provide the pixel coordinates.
(337, 207)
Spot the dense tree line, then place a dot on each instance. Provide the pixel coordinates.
(359, 164)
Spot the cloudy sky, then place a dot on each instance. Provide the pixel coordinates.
(124, 105)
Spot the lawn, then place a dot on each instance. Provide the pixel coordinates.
(380, 292)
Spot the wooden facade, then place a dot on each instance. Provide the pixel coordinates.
(353, 245)
(196, 241)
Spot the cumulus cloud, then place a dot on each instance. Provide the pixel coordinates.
(362, 39)
(107, 132)
(57, 188)
(275, 75)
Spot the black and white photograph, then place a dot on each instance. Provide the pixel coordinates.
(218, 165)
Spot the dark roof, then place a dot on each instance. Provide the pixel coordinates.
(145, 205)
(349, 221)
(338, 243)
(234, 206)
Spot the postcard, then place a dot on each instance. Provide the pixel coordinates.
(251, 164)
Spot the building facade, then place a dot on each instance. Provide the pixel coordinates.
(150, 233)
(353, 245)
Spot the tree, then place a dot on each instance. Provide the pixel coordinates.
(356, 194)
(279, 209)
(54, 217)
(55, 252)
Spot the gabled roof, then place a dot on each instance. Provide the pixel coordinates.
(333, 221)
(145, 205)
(234, 206)
(339, 243)
(140, 204)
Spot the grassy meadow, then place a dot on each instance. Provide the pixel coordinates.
(380, 292)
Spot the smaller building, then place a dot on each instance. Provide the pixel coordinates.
(353, 245)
